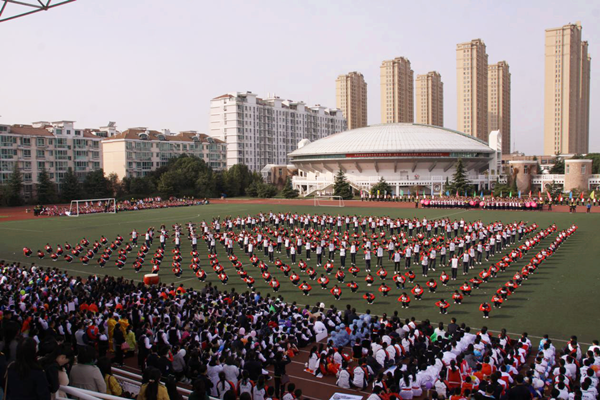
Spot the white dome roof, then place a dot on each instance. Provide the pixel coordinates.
(404, 137)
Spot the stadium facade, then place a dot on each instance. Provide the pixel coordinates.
(408, 156)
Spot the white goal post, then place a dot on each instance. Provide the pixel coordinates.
(328, 201)
(92, 206)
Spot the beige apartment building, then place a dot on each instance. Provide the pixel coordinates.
(54, 147)
(499, 102)
(397, 91)
(471, 88)
(136, 152)
(430, 99)
(566, 91)
(351, 97)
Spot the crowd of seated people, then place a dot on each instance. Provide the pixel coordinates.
(58, 329)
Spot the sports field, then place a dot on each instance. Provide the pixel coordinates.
(560, 299)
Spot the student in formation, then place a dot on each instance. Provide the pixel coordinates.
(457, 297)
(417, 291)
(336, 292)
(432, 285)
(485, 308)
(370, 297)
(384, 289)
(443, 305)
(404, 299)
(353, 286)
(306, 288)
(444, 278)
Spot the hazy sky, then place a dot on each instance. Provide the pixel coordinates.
(157, 63)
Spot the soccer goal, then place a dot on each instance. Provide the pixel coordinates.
(92, 206)
(328, 201)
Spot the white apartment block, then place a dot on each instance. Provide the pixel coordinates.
(136, 152)
(52, 146)
(263, 131)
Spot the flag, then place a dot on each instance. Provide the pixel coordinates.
(571, 195)
(581, 197)
(401, 192)
(500, 194)
(481, 195)
(457, 193)
(474, 193)
(549, 197)
(417, 193)
(466, 194)
(519, 194)
(539, 194)
(377, 193)
(560, 197)
(530, 194)
(385, 194)
(593, 195)
(447, 193)
(510, 194)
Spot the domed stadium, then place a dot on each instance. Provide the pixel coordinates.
(408, 156)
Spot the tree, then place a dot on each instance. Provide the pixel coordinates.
(341, 187)
(70, 188)
(460, 183)
(115, 186)
(288, 192)
(96, 185)
(12, 190)
(46, 189)
(558, 167)
(382, 186)
(266, 190)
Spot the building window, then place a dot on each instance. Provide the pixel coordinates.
(583, 169)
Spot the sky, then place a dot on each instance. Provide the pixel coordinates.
(157, 63)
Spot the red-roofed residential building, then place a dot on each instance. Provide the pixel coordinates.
(137, 151)
(52, 146)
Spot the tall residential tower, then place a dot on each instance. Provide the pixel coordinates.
(499, 102)
(566, 91)
(430, 99)
(351, 97)
(397, 91)
(471, 88)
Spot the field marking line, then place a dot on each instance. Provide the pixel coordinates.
(21, 229)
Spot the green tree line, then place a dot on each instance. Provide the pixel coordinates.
(183, 176)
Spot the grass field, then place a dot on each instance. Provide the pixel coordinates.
(558, 300)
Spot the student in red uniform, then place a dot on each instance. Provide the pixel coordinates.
(432, 285)
(485, 308)
(306, 288)
(323, 281)
(26, 251)
(405, 300)
(353, 286)
(274, 283)
(40, 254)
(497, 300)
(382, 273)
(417, 291)
(340, 276)
(465, 289)
(295, 278)
(457, 297)
(336, 292)
(384, 289)
(443, 305)
(370, 297)
(444, 278)
(400, 280)
(410, 276)
(369, 279)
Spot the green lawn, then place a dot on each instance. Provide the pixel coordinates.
(558, 300)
